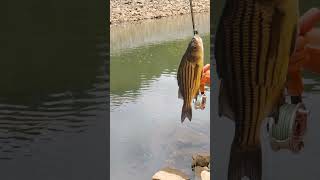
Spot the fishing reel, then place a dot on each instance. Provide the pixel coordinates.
(289, 132)
(200, 101)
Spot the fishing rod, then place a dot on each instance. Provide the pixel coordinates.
(194, 30)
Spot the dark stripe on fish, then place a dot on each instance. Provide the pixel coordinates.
(187, 83)
(259, 49)
(232, 80)
(242, 17)
(250, 77)
(183, 74)
(190, 78)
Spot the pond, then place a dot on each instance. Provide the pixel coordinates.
(145, 129)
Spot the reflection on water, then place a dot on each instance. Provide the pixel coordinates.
(146, 132)
(130, 36)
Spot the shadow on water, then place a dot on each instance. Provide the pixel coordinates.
(53, 89)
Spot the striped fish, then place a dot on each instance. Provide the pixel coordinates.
(189, 75)
(254, 41)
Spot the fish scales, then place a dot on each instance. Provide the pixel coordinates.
(255, 84)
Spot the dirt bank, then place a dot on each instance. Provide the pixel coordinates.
(136, 10)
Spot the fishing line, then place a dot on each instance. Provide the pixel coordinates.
(194, 30)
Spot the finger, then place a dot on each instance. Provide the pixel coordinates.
(313, 38)
(308, 20)
(300, 43)
(205, 81)
(313, 64)
(294, 83)
(206, 67)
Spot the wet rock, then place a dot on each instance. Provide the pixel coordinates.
(169, 173)
(200, 159)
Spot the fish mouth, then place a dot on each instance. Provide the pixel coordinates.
(196, 39)
(196, 42)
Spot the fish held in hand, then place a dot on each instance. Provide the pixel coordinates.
(189, 75)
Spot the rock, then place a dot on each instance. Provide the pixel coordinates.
(200, 159)
(205, 175)
(116, 10)
(149, 14)
(198, 170)
(170, 174)
(158, 8)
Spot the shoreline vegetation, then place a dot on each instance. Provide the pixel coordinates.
(124, 11)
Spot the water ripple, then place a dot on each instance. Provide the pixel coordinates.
(62, 112)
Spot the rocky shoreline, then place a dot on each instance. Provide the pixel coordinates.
(136, 10)
(200, 165)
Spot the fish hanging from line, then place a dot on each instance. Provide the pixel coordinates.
(189, 75)
(254, 41)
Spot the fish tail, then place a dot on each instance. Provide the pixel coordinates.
(245, 163)
(186, 112)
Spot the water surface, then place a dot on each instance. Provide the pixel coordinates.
(53, 95)
(146, 132)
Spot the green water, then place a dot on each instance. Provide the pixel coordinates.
(146, 132)
(131, 70)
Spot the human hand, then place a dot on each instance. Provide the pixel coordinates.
(306, 54)
(205, 79)
(308, 37)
